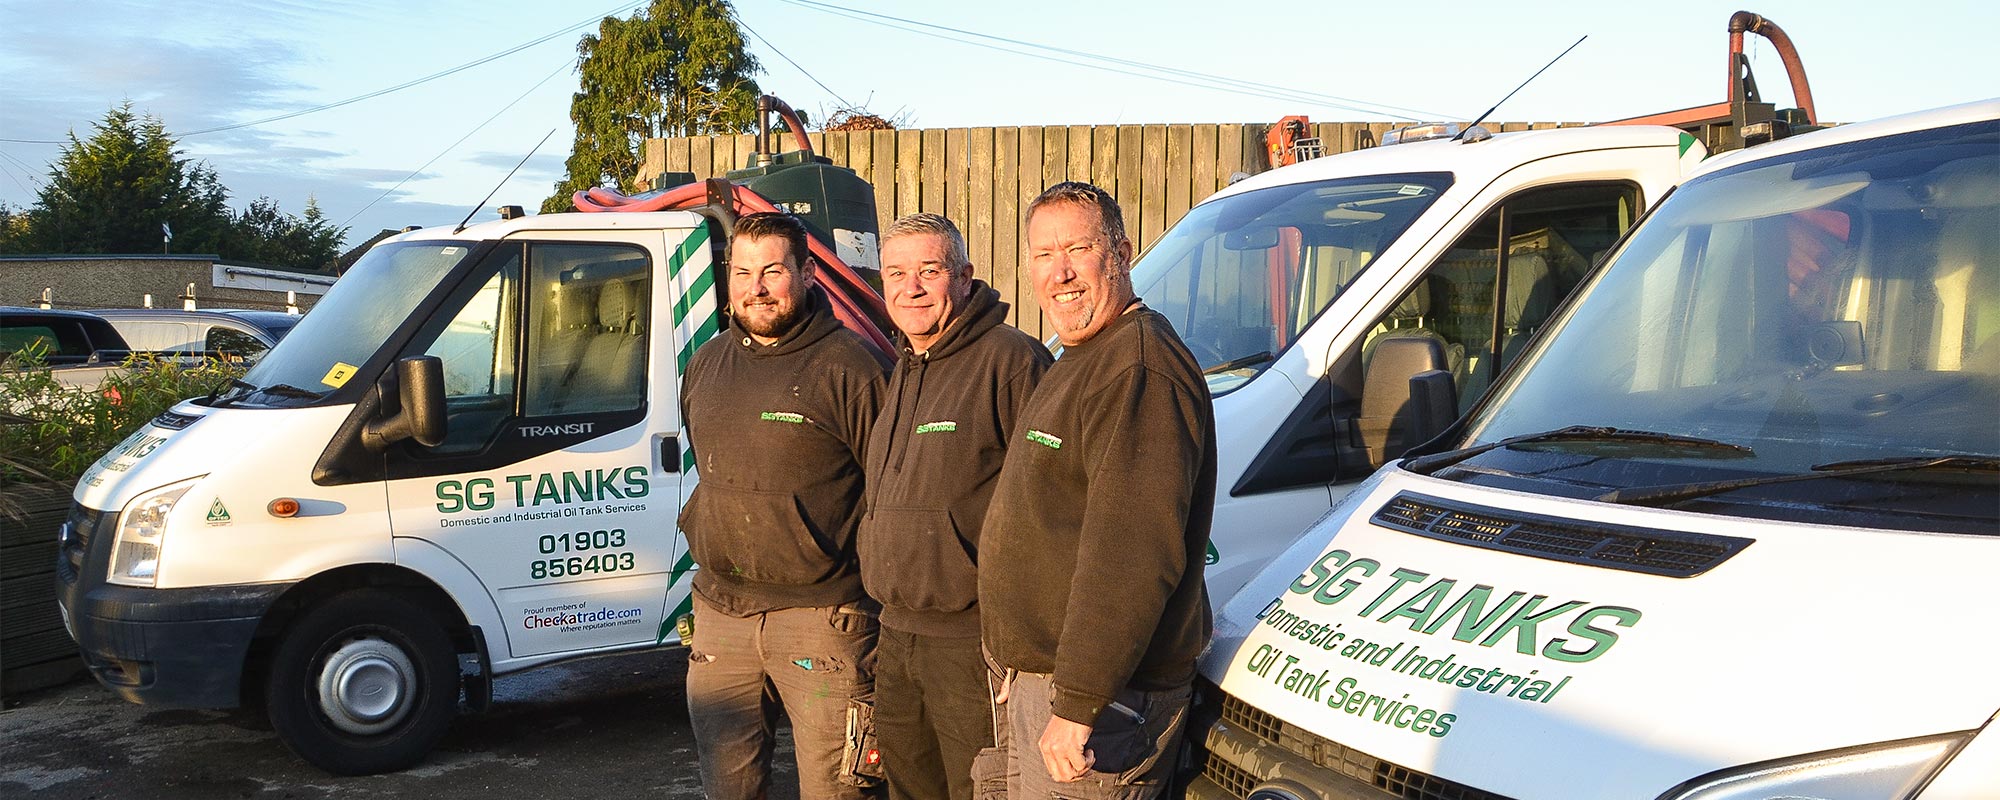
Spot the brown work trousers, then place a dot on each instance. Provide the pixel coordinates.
(808, 664)
(1136, 747)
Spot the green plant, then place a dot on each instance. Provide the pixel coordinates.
(53, 432)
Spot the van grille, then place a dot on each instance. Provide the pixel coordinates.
(1668, 553)
(82, 524)
(1396, 781)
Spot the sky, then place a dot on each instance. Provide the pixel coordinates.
(427, 153)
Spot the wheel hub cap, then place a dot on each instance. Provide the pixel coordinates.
(367, 686)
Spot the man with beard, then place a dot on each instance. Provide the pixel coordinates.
(1090, 572)
(946, 422)
(778, 409)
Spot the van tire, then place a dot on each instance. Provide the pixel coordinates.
(363, 683)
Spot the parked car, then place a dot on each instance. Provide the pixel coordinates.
(82, 347)
(225, 332)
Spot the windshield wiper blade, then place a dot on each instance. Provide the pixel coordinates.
(1425, 465)
(288, 390)
(1674, 493)
(1238, 363)
(234, 383)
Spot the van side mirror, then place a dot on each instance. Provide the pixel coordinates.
(419, 391)
(1433, 405)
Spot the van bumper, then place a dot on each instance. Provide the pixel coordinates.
(183, 648)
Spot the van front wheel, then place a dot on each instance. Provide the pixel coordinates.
(363, 683)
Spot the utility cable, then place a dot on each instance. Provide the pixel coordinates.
(788, 60)
(12, 177)
(1058, 60)
(379, 92)
(1226, 83)
(461, 140)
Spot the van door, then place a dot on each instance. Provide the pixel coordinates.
(548, 486)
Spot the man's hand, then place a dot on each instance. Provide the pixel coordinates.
(1063, 752)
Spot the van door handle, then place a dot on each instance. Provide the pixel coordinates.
(670, 452)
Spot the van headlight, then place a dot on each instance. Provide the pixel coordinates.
(142, 530)
(1896, 770)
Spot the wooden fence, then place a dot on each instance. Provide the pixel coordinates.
(983, 178)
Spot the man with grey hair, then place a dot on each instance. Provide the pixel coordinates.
(961, 380)
(1091, 568)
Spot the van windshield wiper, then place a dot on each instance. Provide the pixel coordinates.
(1238, 363)
(1674, 493)
(288, 390)
(279, 389)
(1425, 465)
(234, 383)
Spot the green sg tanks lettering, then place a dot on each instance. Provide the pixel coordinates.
(1474, 614)
(554, 488)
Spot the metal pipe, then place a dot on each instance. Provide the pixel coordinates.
(1795, 69)
(767, 104)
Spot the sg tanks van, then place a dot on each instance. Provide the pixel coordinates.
(1726, 531)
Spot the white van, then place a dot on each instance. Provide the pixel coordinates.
(1724, 531)
(463, 463)
(355, 532)
(1312, 294)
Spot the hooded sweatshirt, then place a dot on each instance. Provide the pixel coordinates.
(1091, 569)
(778, 433)
(937, 446)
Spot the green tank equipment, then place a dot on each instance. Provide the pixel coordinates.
(835, 203)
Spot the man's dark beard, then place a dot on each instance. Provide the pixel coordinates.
(778, 326)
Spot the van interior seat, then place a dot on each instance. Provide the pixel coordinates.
(1410, 319)
(611, 364)
(1530, 299)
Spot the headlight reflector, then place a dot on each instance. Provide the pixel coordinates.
(142, 528)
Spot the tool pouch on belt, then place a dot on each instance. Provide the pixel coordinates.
(861, 760)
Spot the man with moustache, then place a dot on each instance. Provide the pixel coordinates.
(962, 378)
(778, 409)
(1090, 575)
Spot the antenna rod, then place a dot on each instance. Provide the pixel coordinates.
(1524, 85)
(503, 182)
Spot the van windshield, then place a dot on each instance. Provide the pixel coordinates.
(352, 322)
(1837, 305)
(1242, 276)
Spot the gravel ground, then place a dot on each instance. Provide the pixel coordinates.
(606, 727)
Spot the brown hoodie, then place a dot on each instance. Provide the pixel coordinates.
(936, 449)
(778, 433)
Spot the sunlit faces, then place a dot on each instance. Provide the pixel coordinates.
(922, 292)
(1082, 280)
(767, 286)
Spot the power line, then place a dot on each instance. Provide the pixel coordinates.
(397, 88)
(11, 176)
(461, 140)
(788, 60)
(1204, 80)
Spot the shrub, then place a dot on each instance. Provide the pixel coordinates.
(57, 431)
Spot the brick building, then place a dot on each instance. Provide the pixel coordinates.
(123, 281)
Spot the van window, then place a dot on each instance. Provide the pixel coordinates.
(1240, 277)
(1549, 237)
(63, 338)
(232, 342)
(587, 323)
(348, 327)
(477, 348)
